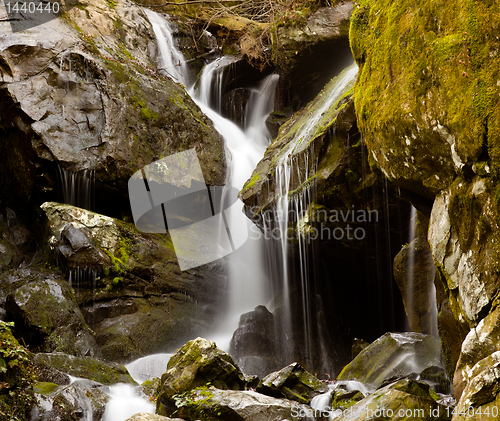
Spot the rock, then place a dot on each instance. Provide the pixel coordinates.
(143, 416)
(231, 405)
(82, 400)
(234, 105)
(416, 283)
(323, 38)
(442, 112)
(134, 296)
(481, 396)
(462, 229)
(86, 367)
(481, 342)
(197, 363)
(292, 382)
(85, 97)
(357, 346)
(393, 355)
(253, 344)
(44, 307)
(404, 400)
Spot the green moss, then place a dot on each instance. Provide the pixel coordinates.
(45, 388)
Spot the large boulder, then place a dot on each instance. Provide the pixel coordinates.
(197, 363)
(394, 355)
(405, 400)
(235, 405)
(426, 100)
(129, 284)
(46, 312)
(253, 344)
(81, 92)
(292, 382)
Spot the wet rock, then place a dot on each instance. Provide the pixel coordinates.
(234, 105)
(481, 395)
(253, 344)
(84, 95)
(231, 405)
(357, 346)
(197, 363)
(137, 300)
(81, 400)
(45, 309)
(274, 121)
(292, 382)
(393, 355)
(414, 273)
(462, 235)
(86, 367)
(480, 343)
(322, 38)
(404, 400)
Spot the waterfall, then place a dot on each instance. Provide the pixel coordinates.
(78, 187)
(297, 159)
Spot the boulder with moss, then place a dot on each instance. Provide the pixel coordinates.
(197, 363)
(434, 69)
(394, 355)
(210, 403)
(129, 284)
(404, 400)
(46, 312)
(292, 382)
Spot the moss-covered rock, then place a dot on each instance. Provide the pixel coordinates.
(405, 400)
(292, 382)
(198, 363)
(16, 377)
(211, 404)
(86, 367)
(44, 307)
(135, 298)
(393, 355)
(426, 96)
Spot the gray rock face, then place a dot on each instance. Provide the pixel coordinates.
(253, 344)
(232, 405)
(82, 93)
(45, 306)
(141, 303)
(393, 355)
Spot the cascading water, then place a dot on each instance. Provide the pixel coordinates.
(246, 148)
(286, 217)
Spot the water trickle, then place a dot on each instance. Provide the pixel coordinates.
(78, 187)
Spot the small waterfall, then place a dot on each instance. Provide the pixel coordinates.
(246, 148)
(78, 187)
(411, 265)
(298, 160)
(146, 368)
